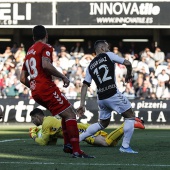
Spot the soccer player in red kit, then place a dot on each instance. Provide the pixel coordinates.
(38, 66)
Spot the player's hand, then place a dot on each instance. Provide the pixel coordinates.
(66, 82)
(81, 111)
(33, 132)
(128, 78)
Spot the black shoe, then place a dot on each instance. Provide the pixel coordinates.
(82, 155)
(68, 148)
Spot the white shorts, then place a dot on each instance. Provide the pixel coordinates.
(117, 102)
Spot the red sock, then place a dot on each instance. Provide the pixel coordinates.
(65, 134)
(73, 133)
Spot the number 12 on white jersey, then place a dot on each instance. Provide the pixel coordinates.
(105, 76)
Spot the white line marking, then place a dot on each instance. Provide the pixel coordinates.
(10, 140)
(83, 164)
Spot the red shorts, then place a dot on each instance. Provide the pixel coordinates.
(53, 100)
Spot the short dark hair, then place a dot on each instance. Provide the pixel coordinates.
(98, 42)
(36, 111)
(39, 32)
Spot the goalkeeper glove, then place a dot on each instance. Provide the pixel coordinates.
(33, 132)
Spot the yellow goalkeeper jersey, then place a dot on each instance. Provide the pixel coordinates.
(51, 130)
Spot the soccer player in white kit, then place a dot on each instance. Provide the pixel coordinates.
(102, 70)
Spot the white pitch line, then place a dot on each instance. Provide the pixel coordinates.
(83, 164)
(10, 140)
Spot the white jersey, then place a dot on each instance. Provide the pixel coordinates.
(102, 70)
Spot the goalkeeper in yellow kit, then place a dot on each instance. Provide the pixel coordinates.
(51, 130)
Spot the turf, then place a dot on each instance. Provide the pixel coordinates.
(18, 151)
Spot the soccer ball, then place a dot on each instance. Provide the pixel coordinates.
(39, 133)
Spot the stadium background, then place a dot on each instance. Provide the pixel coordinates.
(147, 27)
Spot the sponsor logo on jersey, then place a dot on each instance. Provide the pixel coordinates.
(31, 52)
(100, 90)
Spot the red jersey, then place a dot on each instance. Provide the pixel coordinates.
(40, 80)
(44, 91)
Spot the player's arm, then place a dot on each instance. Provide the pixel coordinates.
(24, 78)
(81, 108)
(86, 84)
(128, 65)
(83, 94)
(45, 138)
(116, 59)
(46, 64)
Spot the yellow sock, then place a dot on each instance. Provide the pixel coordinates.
(113, 137)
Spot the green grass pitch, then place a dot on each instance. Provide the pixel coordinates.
(18, 151)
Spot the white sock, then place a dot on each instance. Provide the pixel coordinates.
(128, 132)
(91, 130)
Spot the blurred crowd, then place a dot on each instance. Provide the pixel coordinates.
(151, 71)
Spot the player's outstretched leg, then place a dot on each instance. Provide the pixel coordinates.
(113, 137)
